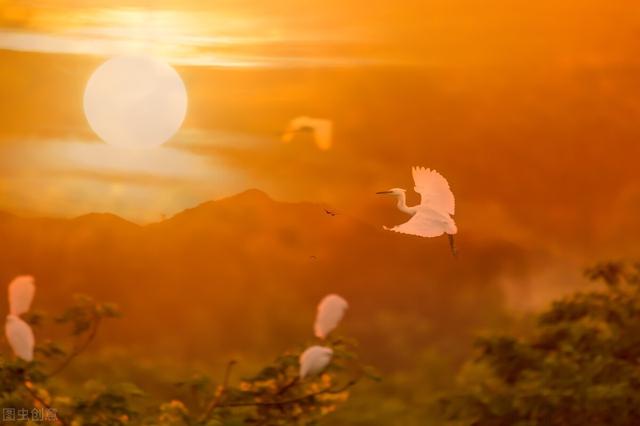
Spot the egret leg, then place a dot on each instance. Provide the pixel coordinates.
(452, 244)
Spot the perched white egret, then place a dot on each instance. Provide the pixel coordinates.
(433, 216)
(331, 309)
(20, 337)
(19, 334)
(21, 291)
(320, 128)
(314, 359)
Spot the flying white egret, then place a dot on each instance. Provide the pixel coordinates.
(321, 129)
(19, 334)
(433, 216)
(331, 309)
(314, 359)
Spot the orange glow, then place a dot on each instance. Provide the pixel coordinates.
(529, 111)
(219, 239)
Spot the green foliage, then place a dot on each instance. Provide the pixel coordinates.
(26, 385)
(274, 396)
(86, 314)
(103, 405)
(580, 366)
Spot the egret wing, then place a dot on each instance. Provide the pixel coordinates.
(20, 337)
(294, 126)
(21, 292)
(434, 190)
(323, 133)
(422, 224)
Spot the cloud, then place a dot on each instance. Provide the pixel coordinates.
(284, 33)
(71, 177)
(196, 139)
(193, 36)
(77, 155)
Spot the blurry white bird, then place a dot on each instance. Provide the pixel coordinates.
(20, 337)
(314, 360)
(19, 334)
(331, 309)
(433, 216)
(321, 129)
(21, 291)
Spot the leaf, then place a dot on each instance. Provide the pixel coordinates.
(371, 373)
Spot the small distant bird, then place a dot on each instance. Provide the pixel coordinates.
(433, 216)
(321, 129)
(314, 360)
(18, 332)
(331, 310)
(330, 213)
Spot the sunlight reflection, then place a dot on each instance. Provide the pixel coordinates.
(86, 176)
(199, 38)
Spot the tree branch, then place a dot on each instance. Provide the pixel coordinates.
(220, 391)
(79, 348)
(328, 390)
(288, 386)
(42, 402)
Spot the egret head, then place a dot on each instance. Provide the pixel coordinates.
(393, 191)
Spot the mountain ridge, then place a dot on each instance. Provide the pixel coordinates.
(251, 195)
(258, 264)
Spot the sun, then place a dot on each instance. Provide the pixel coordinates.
(135, 101)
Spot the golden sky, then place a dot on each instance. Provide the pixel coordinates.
(519, 104)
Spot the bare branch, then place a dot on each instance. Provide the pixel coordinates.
(220, 391)
(288, 386)
(324, 391)
(79, 348)
(37, 398)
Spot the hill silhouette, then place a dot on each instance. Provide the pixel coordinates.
(244, 273)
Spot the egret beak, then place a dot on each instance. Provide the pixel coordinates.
(384, 192)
